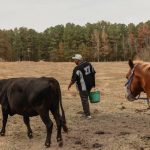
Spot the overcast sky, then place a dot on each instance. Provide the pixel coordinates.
(41, 14)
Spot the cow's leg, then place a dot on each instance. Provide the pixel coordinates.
(27, 123)
(49, 126)
(5, 117)
(58, 120)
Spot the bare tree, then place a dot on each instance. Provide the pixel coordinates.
(97, 40)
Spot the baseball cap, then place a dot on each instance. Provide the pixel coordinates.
(77, 57)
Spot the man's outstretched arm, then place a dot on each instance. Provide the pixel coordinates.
(71, 83)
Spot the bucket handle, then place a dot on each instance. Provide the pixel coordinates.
(95, 89)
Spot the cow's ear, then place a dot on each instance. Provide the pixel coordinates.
(131, 64)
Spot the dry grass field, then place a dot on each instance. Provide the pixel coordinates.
(116, 124)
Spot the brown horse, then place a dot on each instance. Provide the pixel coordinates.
(138, 81)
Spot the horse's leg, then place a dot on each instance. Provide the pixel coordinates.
(58, 120)
(5, 117)
(148, 103)
(27, 123)
(49, 126)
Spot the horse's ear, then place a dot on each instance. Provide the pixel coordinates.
(131, 64)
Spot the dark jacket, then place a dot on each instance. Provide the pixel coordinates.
(84, 76)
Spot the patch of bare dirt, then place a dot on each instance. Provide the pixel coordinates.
(116, 124)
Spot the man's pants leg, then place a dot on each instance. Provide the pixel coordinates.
(85, 103)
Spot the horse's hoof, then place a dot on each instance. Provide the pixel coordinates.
(60, 143)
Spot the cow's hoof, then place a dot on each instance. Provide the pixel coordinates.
(47, 145)
(65, 129)
(2, 133)
(30, 135)
(60, 143)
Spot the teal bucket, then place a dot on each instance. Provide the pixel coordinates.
(94, 96)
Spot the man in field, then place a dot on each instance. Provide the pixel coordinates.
(84, 77)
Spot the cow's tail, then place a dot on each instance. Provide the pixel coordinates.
(63, 113)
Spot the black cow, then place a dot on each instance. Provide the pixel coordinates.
(31, 97)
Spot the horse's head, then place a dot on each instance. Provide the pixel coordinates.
(133, 87)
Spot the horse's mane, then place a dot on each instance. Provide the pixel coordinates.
(144, 65)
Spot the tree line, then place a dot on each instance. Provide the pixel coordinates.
(101, 41)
